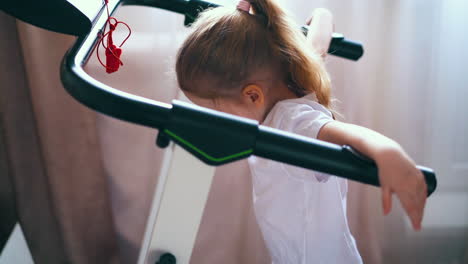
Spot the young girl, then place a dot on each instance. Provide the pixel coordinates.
(253, 61)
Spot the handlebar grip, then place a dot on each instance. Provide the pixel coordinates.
(429, 174)
(341, 47)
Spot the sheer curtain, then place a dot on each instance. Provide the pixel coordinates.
(409, 85)
(53, 163)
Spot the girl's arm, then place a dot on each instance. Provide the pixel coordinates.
(397, 171)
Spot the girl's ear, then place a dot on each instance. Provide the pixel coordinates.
(253, 94)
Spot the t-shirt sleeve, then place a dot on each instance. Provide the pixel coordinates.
(305, 119)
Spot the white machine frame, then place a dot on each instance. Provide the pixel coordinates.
(177, 208)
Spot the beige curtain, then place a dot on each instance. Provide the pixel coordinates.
(52, 149)
(84, 182)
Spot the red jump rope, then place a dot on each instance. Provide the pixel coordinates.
(112, 52)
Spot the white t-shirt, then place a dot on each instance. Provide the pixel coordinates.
(301, 213)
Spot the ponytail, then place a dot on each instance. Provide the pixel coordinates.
(306, 69)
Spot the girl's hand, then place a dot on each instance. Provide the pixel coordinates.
(398, 174)
(321, 28)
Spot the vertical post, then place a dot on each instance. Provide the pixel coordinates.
(180, 198)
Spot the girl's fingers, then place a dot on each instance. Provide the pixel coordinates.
(386, 200)
(418, 200)
(414, 207)
(321, 12)
(416, 218)
(421, 205)
(320, 30)
(413, 214)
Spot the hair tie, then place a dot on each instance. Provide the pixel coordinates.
(243, 6)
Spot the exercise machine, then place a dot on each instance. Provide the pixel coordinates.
(199, 134)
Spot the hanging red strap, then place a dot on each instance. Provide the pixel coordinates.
(112, 52)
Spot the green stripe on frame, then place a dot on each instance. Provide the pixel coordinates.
(188, 144)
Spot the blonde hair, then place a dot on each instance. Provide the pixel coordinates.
(228, 46)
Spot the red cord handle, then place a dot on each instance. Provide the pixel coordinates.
(112, 52)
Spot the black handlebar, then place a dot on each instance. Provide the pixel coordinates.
(214, 137)
(341, 47)
(329, 158)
